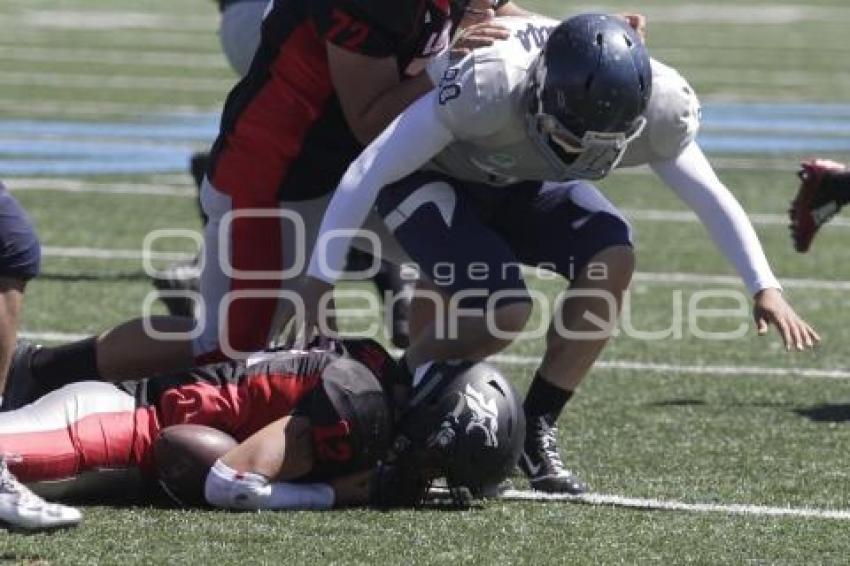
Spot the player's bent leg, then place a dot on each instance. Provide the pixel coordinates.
(587, 317)
(20, 261)
(247, 256)
(444, 235)
(11, 303)
(572, 229)
(79, 427)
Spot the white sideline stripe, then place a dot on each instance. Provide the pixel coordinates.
(103, 82)
(99, 253)
(701, 278)
(641, 277)
(114, 20)
(73, 186)
(517, 360)
(114, 57)
(766, 219)
(604, 500)
(17, 106)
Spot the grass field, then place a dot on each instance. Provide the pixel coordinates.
(689, 421)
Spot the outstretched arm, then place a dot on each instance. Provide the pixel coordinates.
(407, 144)
(691, 176)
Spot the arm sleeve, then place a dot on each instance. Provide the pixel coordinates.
(409, 142)
(228, 489)
(691, 176)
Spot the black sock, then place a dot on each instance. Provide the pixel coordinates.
(405, 376)
(544, 399)
(57, 366)
(839, 184)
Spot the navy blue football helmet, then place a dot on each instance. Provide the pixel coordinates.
(587, 92)
(465, 423)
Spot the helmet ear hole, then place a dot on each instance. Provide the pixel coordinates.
(600, 39)
(629, 42)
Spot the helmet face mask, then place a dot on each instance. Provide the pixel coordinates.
(586, 93)
(591, 156)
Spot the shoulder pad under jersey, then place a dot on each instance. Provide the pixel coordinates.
(477, 94)
(672, 119)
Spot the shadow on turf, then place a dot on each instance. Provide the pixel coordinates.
(677, 403)
(77, 277)
(826, 413)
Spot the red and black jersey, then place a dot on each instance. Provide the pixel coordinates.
(283, 133)
(240, 398)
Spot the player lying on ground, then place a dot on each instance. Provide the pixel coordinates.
(311, 427)
(824, 190)
(507, 128)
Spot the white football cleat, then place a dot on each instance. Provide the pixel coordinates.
(21, 508)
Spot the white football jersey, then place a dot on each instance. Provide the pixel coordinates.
(481, 100)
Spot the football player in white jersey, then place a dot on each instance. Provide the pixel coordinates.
(500, 140)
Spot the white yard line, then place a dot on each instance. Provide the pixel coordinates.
(664, 278)
(114, 57)
(704, 278)
(735, 371)
(622, 365)
(99, 187)
(70, 185)
(96, 109)
(99, 83)
(605, 500)
(763, 219)
(100, 253)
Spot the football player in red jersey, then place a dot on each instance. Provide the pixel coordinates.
(314, 428)
(824, 190)
(329, 406)
(328, 76)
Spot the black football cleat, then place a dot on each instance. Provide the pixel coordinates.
(21, 388)
(542, 464)
(179, 280)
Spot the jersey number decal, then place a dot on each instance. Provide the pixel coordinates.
(332, 442)
(449, 90)
(346, 31)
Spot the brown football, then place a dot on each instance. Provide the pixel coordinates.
(184, 455)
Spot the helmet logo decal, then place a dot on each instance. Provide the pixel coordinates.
(534, 37)
(485, 415)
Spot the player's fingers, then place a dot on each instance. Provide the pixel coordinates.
(785, 331)
(761, 325)
(810, 335)
(797, 334)
(815, 335)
